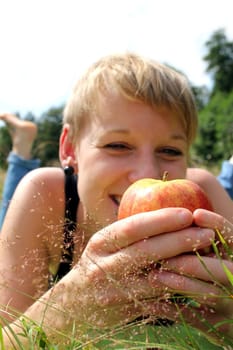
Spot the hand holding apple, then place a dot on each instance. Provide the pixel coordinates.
(150, 194)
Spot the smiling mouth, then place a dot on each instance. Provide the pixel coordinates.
(116, 199)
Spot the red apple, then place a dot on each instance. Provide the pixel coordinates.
(150, 194)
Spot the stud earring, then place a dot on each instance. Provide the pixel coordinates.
(68, 170)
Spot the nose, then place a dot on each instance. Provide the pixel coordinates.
(145, 167)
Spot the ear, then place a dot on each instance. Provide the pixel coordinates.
(67, 149)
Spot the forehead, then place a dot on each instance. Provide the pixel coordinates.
(112, 105)
(119, 114)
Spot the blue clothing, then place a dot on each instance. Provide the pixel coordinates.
(226, 177)
(17, 168)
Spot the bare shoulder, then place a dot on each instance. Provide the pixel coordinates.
(42, 182)
(35, 217)
(44, 177)
(38, 201)
(31, 236)
(221, 201)
(201, 176)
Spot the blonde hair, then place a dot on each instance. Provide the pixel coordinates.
(137, 79)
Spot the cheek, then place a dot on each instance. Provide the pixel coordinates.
(92, 184)
(176, 170)
(87, 187)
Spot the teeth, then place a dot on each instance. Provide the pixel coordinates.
(118, 199)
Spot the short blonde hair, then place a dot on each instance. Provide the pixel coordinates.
(137, 79)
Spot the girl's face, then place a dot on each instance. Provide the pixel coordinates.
(124, 142)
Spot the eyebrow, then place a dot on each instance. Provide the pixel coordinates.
(174, 136)
(118, 131)
(179, 137)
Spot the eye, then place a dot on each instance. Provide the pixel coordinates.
(117, 146)
(169, 151)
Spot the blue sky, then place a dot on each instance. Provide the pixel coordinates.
(46, 44)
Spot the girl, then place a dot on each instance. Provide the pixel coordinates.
(65, 259)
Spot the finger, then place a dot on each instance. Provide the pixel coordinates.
(149, 251)
(202, 292)
(203, 268)
(125, 232)
(134, 288)
(205, 218)
(168, 245)
(138, 227)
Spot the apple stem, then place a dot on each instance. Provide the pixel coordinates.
(165, 176)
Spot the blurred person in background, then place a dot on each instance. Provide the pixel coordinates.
(226, 176)
(20, 161)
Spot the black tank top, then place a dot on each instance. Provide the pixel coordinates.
(71, 204)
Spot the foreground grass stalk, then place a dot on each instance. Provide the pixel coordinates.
(131, 336)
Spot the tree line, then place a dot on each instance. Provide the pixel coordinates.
(215, 139)
(215, 106)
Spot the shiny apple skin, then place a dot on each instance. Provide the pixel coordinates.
(151, 194)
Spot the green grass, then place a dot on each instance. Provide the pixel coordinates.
(140, 336)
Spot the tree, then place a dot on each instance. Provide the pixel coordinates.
(215, 139)
(220, 61)
(49, 129)
(5, 146)
(201, 95)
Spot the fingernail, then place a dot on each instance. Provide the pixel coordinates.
(206, 234)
